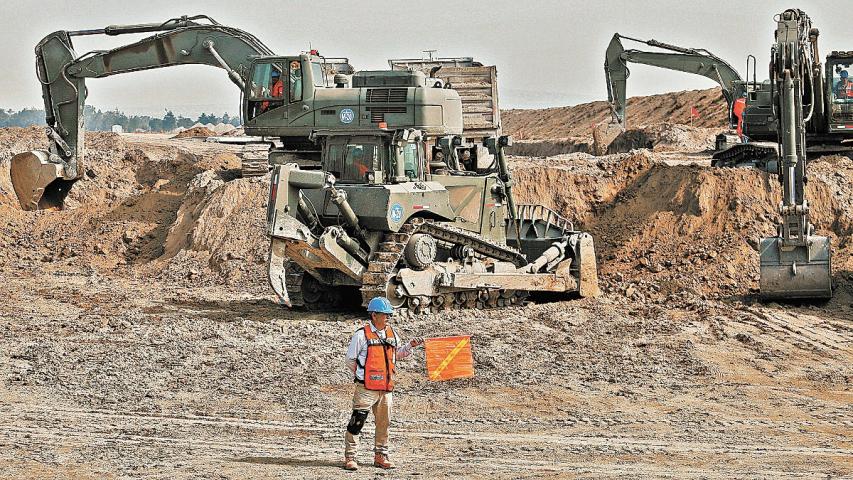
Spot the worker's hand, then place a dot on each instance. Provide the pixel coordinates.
(416, 342)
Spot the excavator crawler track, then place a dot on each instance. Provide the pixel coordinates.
(254, 159)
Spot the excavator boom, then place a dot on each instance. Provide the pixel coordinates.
(681, 59)
(42, 178)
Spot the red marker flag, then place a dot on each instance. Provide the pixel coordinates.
(694, 112)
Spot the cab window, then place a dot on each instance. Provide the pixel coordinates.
(319, 74)
(351, 162)
(410, 160)
(267, 88)
(842, 85)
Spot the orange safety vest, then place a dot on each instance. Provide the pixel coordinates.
(277, 92)
(737, 109)
(379, 365)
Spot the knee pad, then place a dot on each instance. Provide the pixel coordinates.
(356, 421)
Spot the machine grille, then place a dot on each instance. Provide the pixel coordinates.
(386, 95)
(377, 114)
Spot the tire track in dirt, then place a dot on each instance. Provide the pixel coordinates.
(825, 336)
(97, 425)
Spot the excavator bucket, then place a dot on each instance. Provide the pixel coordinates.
(38, 183)
(795, 273)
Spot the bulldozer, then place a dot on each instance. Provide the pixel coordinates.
(382, 219)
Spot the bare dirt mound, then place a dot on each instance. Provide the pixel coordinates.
(663, 232)
(663, 137)
(218, 233)
(196, 132)
(660, 230)
(578, 120)
(118, 218)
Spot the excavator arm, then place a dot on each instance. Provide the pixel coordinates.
(688, 60)
(42, 178)
(795, 263)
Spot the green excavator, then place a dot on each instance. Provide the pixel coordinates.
(750, 103)
(43, 178)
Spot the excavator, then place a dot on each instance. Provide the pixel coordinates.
(689, 60)
(750, 107)
(43, 178)
(381, 183)
(754, 144)
(796, 263)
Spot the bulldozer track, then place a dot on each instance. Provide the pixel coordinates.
(383, 264)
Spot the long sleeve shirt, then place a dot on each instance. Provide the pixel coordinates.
(357, 351)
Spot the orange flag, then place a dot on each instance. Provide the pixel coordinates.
(449, 357)
(694, 112)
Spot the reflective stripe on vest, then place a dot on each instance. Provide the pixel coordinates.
(379, 365)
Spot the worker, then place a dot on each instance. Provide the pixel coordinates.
(356, 162)
(844, 88)
(374, 348)
(295, 81)
(276, 91)
(737, 109)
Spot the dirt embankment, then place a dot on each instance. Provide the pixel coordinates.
(145, 211)
(659, 229)
(664, 231)
(578, 120)
(139, 334)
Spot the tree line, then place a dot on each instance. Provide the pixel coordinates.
(98, 120)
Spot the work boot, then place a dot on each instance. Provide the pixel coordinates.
(350, 464)
(381, 460)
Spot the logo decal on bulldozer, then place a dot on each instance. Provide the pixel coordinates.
(347, 115)
(396, 212)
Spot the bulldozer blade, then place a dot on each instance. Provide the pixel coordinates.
(795, 273)
(38, 183)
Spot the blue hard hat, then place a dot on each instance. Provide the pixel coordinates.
(844, 74)
(275, 73)
(380, 305)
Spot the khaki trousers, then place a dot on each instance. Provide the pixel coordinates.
(380, 404)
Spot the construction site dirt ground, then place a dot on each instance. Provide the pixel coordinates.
(138, 337)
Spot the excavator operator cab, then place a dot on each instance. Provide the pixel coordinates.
(839, 67)
(278, 82)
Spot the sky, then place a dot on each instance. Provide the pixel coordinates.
(548, 53)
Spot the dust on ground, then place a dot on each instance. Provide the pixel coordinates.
(139, 337)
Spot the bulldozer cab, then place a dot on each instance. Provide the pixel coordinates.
(280, 88)
(373, 158)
